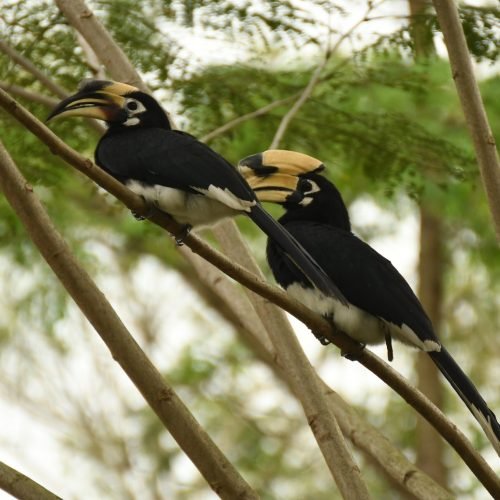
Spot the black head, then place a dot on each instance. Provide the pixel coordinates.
(292, 180)
(118, 104)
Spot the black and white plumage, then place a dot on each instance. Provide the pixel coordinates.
(173, 170)
(380, 301)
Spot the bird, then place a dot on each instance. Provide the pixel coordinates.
(172, 170)
(381, 304)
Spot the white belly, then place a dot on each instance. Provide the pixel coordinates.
(186, 208)
(355, 322)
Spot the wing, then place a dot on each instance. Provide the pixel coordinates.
(365, 278)
(169, 158)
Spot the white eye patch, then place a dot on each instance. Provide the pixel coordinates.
(307, 187)
(311, 188)
(133, 108)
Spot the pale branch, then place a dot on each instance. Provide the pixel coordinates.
(19, 91)
(314, 80)
(317, 324)
(21, 486)
(43, 99)
(81, 18)
(114, 59)
(31, 68)
(248, 116)
(299, 373)
(290, 115)
(91, 59)
(363, 435)
(472, 105)
(220, 474)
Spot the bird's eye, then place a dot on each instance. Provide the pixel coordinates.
(132, 105)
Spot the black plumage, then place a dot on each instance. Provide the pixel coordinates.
(173, 170)
(380, 301)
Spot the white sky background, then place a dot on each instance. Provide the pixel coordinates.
(31, 444)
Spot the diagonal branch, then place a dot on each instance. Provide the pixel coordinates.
(300, 374)
(317, 324)
(470, 97)
(16, 90)
(223, 478)
(314, 80)
(31, 68)
(21, 486)
(345, 471)
(248, 116)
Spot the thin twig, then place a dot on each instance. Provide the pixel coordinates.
(472, 105)
(20, 486)
(220, 474)
(31, 68)
(249, 116)
(16, 90)
(314, 80)
(317, 324)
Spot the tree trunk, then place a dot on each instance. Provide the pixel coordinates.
(430, 448)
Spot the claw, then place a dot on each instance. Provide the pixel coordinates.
(353, 355)
(179, 238)
(148, 213)
(323, 340)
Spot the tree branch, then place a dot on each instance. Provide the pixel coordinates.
(299, 373)
(472, 105)
(20, 486)
(346, 474)
(16, 90)
(223, 478)
(363, 435)
(243, 118)
(313, 81)
(31, 68)
(317, 324)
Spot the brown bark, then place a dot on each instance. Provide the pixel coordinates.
(21, 486)
(430, 448)
(456, 439)
(300, 375)
(472, 105)
(220, 474)
(313, 321)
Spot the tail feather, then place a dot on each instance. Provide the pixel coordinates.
(296, 253)
(469, 394)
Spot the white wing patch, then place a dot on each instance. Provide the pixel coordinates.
(186, 208)
(225, 197)
(355, 322)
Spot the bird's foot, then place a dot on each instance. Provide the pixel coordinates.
(353, 354)
(179, 238)
(322, 340)
(147, 215)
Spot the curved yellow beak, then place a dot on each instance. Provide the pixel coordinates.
(274, 174)
(101, 99)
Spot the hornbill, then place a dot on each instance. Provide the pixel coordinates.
(173, 170)
(381, 304)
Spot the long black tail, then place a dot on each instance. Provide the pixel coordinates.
(469, 395)
(295, 252)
